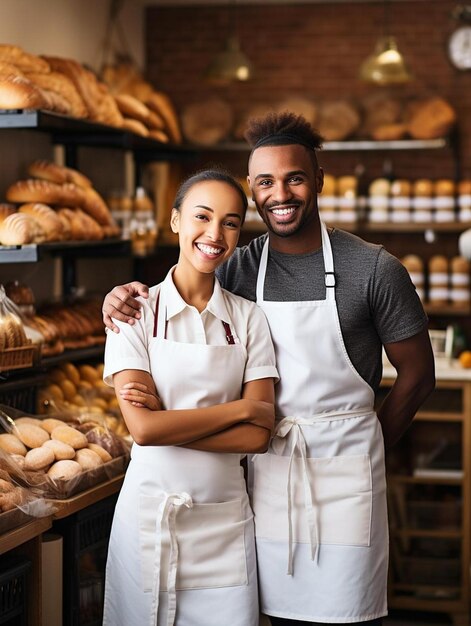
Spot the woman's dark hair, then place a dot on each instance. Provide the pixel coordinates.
(213, 174)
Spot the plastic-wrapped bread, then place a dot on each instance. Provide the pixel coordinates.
(438, 277)
(64, 470)
(11, 444)
(459, 280)
(39, 459)
(71, 436)
(31, 436)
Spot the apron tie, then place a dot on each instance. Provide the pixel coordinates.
(168, 510)
(282, 430)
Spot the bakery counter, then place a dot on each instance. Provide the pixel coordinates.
(445, 370)
(24, 533)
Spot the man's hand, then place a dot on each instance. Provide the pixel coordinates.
(140, 395)
(121, 304)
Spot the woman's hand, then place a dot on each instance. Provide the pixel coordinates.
(121, 304)
(259, 413)
(140, 395)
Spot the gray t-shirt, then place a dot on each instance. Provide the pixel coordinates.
(376, 300)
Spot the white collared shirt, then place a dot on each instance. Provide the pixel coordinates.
(128, 349)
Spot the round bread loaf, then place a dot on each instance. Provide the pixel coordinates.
(50, 423)
(39, 458)
(64, 470)
(401, 187)
(60, 449)
(380, 187)
(88, 459)
(32, 436)
(104, 454)
(464, 187)
(438, 264)
(444, 187)
(423, 187)
(70, 435)
(207, 122)
(11, 444)
(18, 459)
(459, 265)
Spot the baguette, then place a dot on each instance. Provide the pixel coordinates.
(62, 85)
(135, 126)
(58, 174)
(96, 207)
(161, 104)
(47, 192)
(132, 107)
(25, 61)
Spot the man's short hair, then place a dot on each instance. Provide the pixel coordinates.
(281, 129)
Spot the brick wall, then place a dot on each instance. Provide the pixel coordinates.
(314, 50)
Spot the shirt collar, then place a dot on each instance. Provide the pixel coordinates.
(175, 303)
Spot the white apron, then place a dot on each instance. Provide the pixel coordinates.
(182, 548)
(319, 494)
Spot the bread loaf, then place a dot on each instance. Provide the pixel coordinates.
(135, 126)
(389, 132)
(70, 435)
(64, 470)
(132, 107)
(161, 104)
(19, 229)
(158, 135)
(11, 444)
(25, 61)
(46, 192)
(50, 423)
(88, 459)
(338, 120)
(105, 456)
(19, 93)
(207, 122)
(60, 449)
(96, 207)
(62, 85)
(33, 421)
(8, 69)
(431, 119)
(31, 436)
(46, 217)
(39, 458)
(46, 170)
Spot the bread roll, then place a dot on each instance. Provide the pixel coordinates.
(19, 93)
(70, 435)
(159, 135)
(422, 187)
(135, 126)
(438, 264)
(161, 104)
(23, 60)
(39, 458)
(132, 107)
(33, 421)
(18, 459)
(64, 470)
(46, 217)
(104, 454)
(31, 436)
(431, 119)
(50, 423)
(71, 372)
(338, 120)
(11, 444)
(444, 187)
(58, 174)
(96, 207)
(207, 122)
(88, 459)
(380, 187)
(60, 449)
(19, 229)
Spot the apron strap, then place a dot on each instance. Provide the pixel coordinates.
(328, 267)
(227, 329)
(167, 513)
(299, 443)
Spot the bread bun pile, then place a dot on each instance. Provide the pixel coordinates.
(80, 390)
(79, 324)
(61, 452)
(11, 496)
(57, 204)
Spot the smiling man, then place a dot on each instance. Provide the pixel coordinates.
(332, 302)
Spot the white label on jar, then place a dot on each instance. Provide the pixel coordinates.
(379, 202)
(444, 202)
(444, 216)
(417, 278)
(422, 216)
(347, 216)
(379, 216)
(459, 295)
(401, 216)
(438, 294)
(422, 202)
(327, 201)
(328, 216)
(347, 203)
(465, 215)
(464, 200)
(400, 202)
(438, 278)
(459, 279)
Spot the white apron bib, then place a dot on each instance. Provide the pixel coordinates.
(182, 547)
(319, 494)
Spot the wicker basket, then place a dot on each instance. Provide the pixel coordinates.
(17, 358)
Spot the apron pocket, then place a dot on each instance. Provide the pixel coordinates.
(211, 544)
(341, 490)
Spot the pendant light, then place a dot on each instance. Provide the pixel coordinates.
(386, 66)
(231, 64)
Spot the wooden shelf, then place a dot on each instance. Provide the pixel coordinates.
(432, 416)
(431, 534)
(86, 498)
(22, 534)
(422, 480)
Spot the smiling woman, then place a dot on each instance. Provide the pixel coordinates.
(194, 376)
